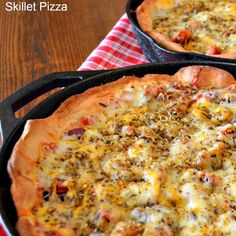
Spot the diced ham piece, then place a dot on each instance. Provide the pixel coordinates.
(77, 131)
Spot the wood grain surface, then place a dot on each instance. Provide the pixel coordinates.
(33, 44)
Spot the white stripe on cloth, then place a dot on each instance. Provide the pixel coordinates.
(120, 52)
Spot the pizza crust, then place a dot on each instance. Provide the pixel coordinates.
(145, 14)
(226, 55)
(25, 190)
(205, 77)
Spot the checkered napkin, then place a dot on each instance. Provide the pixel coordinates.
(2, 233)
(119, 49)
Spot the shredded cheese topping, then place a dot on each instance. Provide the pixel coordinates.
(212, 25)
(160, 160)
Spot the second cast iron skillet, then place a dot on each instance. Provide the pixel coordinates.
(155, 52)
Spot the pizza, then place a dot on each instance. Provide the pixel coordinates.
(199, 26)
(138, 156)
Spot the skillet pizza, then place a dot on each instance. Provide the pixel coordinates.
(138, 156)
(205, 27)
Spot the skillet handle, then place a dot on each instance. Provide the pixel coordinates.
(23, 96)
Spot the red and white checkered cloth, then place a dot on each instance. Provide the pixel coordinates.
(119, 49)
(2, 233)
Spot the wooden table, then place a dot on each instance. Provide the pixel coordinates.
(33, 44)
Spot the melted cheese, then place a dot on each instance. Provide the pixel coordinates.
(155, 167)
(212, 23)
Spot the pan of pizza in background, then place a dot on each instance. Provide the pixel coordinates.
(156, 52)
(71, 83)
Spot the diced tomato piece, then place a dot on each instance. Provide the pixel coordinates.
(107, 216)
(214, 50)
(228, 130)
(207, 177)
(84, 121)
(154, 90)
(199, 96)
(183, 37)
(60, 187)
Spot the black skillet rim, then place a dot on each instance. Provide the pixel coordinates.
(60, 96)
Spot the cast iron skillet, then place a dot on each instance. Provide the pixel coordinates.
(156, 53)
(73, 83)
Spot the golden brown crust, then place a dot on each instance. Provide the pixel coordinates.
(205, 77)
(25, 188)
(166, 41)
(25, 227)
(226, 55)
(145, 14)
